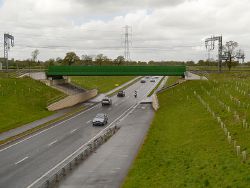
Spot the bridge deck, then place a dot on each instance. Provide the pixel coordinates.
(116, 70)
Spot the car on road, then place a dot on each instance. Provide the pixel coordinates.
(100, 119)
(147, 77)
(121, 94)
(152, 80)
(106, 101)
(143, 81)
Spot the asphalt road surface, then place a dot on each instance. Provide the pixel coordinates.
(109, 165)
(23, 163)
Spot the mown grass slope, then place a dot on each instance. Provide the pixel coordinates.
(102, 83)
(172, 80)
(23, 101)
(186, 147)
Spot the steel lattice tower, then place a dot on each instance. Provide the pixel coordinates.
(8, 42)
(127, 42)
(211, 47)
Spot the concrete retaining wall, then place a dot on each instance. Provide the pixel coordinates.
(155, 102)
(73, 100)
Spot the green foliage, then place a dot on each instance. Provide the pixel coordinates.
(119, 60)
(185, 146)
(23, 101)
(102, 83)
(71, 58)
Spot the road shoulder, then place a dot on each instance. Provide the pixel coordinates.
(109, 165)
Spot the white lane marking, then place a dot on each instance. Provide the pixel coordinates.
(73, 131)
(88, 121)
(84, 145)
(131, 108)
(21, 160)
(50, 144)
(48, 129)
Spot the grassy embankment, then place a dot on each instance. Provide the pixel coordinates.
(186, 146)
(23, 101)
(102, 83)
(172, 80)
(224, 68)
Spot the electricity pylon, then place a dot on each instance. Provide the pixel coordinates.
(8, 42)
(210, 47)
(127, 42)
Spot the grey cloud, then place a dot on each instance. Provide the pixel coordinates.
(161, 29)
(128, 3)
(122, 6)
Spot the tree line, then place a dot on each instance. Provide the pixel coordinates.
(71, 59)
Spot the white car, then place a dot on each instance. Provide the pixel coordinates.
(106, 101)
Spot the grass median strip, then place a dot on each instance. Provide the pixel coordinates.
(185, 146)
(152, 92)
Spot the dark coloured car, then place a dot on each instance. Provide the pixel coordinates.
(152, 80)
(121, 94)
(106, 101)
(100, 119)
(143, 81)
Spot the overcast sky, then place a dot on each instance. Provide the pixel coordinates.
(161, 29)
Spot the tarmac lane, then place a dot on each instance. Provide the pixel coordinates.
(24, 161)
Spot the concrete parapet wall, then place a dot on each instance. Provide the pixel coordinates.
(73, 100)
(155, 102)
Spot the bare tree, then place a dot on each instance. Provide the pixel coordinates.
(119, 60)
(34, 54)
(229, 53)
(100, 59)
(87, 59)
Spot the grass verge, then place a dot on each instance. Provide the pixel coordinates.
(172, 80)
(42, 126)
(185, 146)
